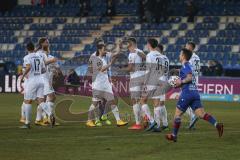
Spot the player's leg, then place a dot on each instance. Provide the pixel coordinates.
(157, 115)
(29, 95)
(104, 112)
(147, 112)
(137, 114)
(23, 116)
(42, 90)
(199, 111)
(192, 116)
(163, 112)
(176, 125)
(28, 111)
(91, 113)
(51, 97)
(116, 113)
(182, 105)
(135, 92)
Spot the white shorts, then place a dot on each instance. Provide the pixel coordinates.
(160, 97)
(48, 88)
(136, 87)
(154, 92)
(102, 91)
(33, 88)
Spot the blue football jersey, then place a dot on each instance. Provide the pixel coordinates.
(184, 71)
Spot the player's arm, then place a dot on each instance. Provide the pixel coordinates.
(141, 53)
(50, 61)
(186, 80)
(174, 71)
(104, 68)
(129, 68)
(27, 70)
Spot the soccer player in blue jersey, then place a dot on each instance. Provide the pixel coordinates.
(189, 97)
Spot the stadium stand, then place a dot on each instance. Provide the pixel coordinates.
(216, 31)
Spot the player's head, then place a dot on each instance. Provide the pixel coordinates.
(160, 48)
(132, 43)
(152, 44)
(43, 44)
(30, 47)
(190, 46)
(185, 55)
(101, 50)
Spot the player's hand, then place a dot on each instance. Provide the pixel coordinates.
(178, 83)
(137, 50)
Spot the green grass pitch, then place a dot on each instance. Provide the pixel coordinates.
(74, 141)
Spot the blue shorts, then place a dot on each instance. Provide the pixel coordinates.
(189, 99)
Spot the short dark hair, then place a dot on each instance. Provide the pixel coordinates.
(132, 39)
(30, 46)
(100, 46)
(187, 53)
(153, 42)
(161, 48)
(192, 44)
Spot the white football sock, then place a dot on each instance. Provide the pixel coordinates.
(147, 112)
(189, 111)
(44, 115)
(157, 115)
(163, 113)
(115, 112)
(46, 108)
(28, 111)
(39, 113)
(51, 106)
(91, 112)
(22, 111)
(137, 112)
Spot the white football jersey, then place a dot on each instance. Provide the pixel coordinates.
(136, 60)
(165, 66)
(153, 62)
(24, 65)
(42, 54)
(37, 64)
(50, 68)
(100, 79)
(196, 66)
(107, 58)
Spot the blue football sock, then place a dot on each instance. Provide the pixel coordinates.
(210, 119)
(176, 125)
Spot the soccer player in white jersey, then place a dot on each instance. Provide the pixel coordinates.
(43, 51)
(195, 63)
(34, 84)
(161, 108)
(136, 59)
(102, 87)
(23, 116)
(152, 82)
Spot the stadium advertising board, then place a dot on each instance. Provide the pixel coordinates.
(211, 88)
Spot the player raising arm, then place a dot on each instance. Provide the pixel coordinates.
(102, 88)
(189, 97)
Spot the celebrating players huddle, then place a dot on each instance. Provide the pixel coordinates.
(37, 76)
(149, 80)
